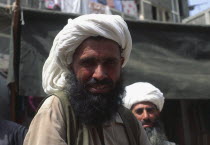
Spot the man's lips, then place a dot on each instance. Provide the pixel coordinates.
(97, 88)
(147, 125)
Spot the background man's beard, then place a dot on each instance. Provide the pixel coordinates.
(94, 109)
(156, 135)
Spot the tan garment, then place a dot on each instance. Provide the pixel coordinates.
(169, 143)
(48, 128)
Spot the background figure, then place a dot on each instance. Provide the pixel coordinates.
(146, 102)
(4, 99)
(11, 133)
(83, 76)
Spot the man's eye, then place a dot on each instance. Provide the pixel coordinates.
(87, 63)
(111, 62)
(139, 111)
(150, 110)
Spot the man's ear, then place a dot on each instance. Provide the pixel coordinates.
(122, 59)
(158, 113)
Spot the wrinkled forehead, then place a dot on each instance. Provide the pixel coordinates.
(90, 40)
(144, 105)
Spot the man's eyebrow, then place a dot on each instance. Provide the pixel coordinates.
(110, 59)
(87, 59)
(102, 58)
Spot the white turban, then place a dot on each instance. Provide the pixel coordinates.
(72, 35)
(143, 92)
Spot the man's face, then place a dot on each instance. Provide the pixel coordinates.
(97, 60)
(147, 113)
(96, 83)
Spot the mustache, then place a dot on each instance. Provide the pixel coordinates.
(94, 81)
(146, 121)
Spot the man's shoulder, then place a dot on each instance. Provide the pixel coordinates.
(50, 102)
(51, 111)
(132, 125)
(169, 143)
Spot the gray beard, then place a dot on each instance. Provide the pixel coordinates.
(156, 135)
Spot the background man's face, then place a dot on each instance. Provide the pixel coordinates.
(146, 112)
(98, 60)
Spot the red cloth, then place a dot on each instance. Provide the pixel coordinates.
(129, 7)
(52, 4)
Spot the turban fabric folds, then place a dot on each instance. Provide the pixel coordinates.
(143, 92)
(72, 35)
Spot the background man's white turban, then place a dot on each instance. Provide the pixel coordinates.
(143, 92)
(72, 35)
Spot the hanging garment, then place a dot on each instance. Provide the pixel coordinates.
(97, 8)
(71, 6)
(53, 4)
(129, 7)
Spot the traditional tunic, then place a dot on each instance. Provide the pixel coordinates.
(49, 128)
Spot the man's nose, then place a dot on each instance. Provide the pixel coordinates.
(100, 73)
(145, 114)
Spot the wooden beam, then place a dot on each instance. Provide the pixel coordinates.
(16, 57)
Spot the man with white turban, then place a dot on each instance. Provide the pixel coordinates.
(83, 77)
(146, 102)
